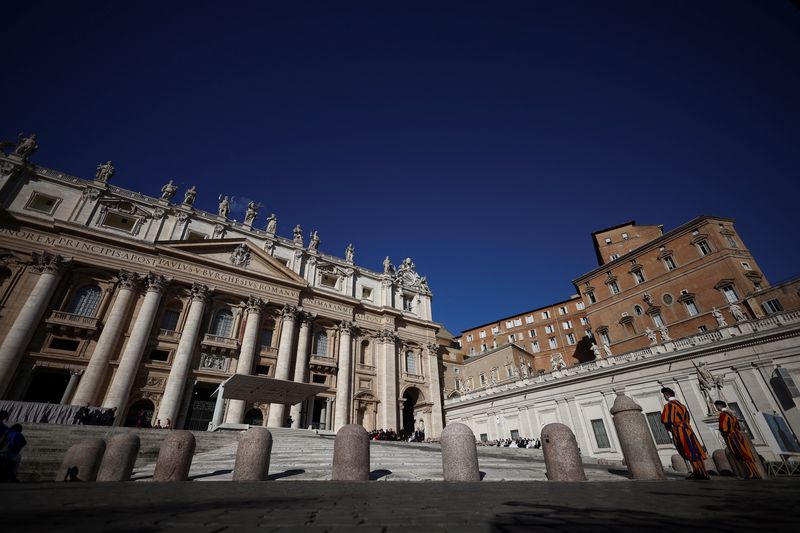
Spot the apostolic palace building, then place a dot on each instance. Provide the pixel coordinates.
(113, 298)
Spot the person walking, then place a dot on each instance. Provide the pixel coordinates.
(675, 418)
(736, 441)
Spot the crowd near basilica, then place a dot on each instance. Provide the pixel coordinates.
(142, 304)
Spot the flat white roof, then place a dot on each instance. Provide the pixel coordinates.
(267, 390)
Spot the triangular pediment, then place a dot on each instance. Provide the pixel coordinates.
(239, 255)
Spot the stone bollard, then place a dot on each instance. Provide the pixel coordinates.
(724, 467)
(637, 444)
(711, 468)
(119, 458)
(252, 455)
(561, 455)
(351, 454)
(679, 464)
(82, 461)
(175, 457)
(459, 454)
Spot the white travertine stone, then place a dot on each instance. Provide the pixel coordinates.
(89, 386)
(121, 385)
(20, 333)
(301, 363)
(342, 415)
(247, 356)
(388, 405)
(179, 373)
(72, 384)
(277, 411)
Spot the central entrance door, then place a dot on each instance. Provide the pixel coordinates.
(201, 408)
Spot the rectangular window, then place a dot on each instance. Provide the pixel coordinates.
(669, 262)
(66, 345)
(638, 276)
(484, 347)
(469, 338)
(512, 338)
(600, 435)
(529, 319)
(732, 242)
(514, 433)
(366, 293)
(535, 347)
(580, 306)
(496, 330)
(691, 308)
(483, 380)
(545, 314)
(484, 437)
(730, 294)
(562, 310)
(746, 265)
(330, 281)
(159, 355)
(553, 342)
(408, 303)
(195, 236)
(472, 351)
(585, 320)
(613, 256)
(605, 338)
(624, 236)
(42, 203)
(567, 324)
(509, 324)
(517, 322)
(120, 222)
(509, 371)
(549, 329)
(570, 338)
(263, 370)
(532, 333)
(657, 320)
(482, 334)
(266, 337)
(660, 433)
(614, 286)
(169, 320)
(703, 248)
(772, 306)
(592, 299)
(702, 329)
(316, 378)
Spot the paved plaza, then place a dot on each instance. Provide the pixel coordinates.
(718, 505)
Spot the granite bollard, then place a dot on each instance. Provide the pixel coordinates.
(459, 454)
(724, 467)
(175, 457)
(561, 455)
(119, 458)
(82, 461)
(711, 467)
(638, 447)
(679, 464)
(252, 455)
(351, 454)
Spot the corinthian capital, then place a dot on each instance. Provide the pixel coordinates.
(255, 305)
(306, 317)
(156, 282)
(433, 349)
(289, 311)
(346, 327)
(386, 336)
(48, 263)
(127, 280)
(199, 292)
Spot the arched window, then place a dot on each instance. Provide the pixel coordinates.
(321, 343)
(411, 362)
(363, 357)
(169, 320)
(223, 323)
(85, 300)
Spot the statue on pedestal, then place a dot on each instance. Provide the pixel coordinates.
(387, 266)
(104, 172)
(652, 336)
(707, 383)
(717, 314)
(314, 242)
(168, 190)
(557, 362)
(664, 334)
(738, 314)
(598, 354)
(298, 235)
(26, 145)
(607, 349)
(348, 253)
(272, 223)
(251, 213)
(190, 195)
(224, 206)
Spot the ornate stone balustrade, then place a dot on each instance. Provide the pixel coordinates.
(215, 344)
(365, 368)
(168, 335)
(417, 378)
(68, 322)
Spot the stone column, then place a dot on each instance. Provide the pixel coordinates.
(21, 332)
(329, 414)
(323, 415)
(434, 429)
(301, 362)
(247, 355)
(277, 411)
(343, 396)
(219, 409)
(89, 385)
(388, 362)
(74, 377)
(179, 372)
(121, 385)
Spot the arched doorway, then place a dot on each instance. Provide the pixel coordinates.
(47, 385)
(254, 417)
(411, 397)
(140, 414)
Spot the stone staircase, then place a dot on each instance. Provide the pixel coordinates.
(296, 455)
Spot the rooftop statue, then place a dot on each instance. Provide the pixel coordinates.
(104, 172)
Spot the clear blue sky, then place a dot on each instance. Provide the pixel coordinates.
(486, 141)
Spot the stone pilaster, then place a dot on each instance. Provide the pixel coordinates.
(277, 412)
(436, 423)
(74, 377)
(343, 376)
(387, 364)
(19, 335)
(121, 385)
(179, 372)
(89, 386)
(247, 355)
(301, 362)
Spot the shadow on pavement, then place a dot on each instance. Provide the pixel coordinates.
(377, 474)
(286, 473)
(217, 473)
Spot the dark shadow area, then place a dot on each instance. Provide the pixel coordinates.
(377, 474)
(137, 478)
(482, 473)
(286, 473)
(217, 473)
(621, 473)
